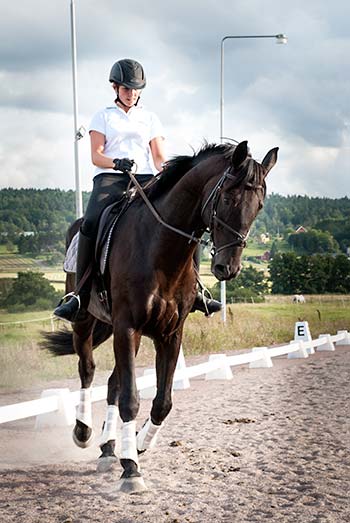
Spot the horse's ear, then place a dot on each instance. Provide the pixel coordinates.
(270, 160)
(240, 154)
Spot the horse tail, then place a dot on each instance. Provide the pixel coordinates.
(60, 343)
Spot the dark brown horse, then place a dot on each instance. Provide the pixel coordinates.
(151, 286)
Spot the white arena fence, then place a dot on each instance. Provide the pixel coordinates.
(56, 407)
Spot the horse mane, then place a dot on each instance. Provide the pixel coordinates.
(178, 166)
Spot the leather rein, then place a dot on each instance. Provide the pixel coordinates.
(240, 240)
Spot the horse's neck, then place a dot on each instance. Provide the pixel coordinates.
(181, 207)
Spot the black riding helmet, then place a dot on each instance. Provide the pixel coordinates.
(128, 73)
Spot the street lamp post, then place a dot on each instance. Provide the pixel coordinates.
(280, 39)
(78, 133)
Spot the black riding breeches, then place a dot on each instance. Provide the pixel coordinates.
(107, 189)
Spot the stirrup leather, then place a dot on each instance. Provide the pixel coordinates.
(204, 291)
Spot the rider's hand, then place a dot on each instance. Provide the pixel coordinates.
(123, 165)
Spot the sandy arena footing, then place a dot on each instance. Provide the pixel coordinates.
(270, 445)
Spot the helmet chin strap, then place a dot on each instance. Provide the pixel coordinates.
(123, 104)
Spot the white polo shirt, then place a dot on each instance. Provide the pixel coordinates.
(127, 135)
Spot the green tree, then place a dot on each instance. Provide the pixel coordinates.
(317, 274)
(249, 283)
(274, 249)
(31, 291)
(313, 242)
(283, 269)
(339, 277)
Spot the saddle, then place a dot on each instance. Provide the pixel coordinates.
(108, 221)
(99, 303)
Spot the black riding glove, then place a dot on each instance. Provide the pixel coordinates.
(123, 165)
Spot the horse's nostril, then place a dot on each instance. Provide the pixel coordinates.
(221, 271)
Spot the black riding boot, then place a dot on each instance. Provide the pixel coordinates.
(75, 308)
(202, 302)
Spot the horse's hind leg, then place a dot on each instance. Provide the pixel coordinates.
(82, 341)
(166, 359)
(110, 426)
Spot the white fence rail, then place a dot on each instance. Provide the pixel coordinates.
(60, 404)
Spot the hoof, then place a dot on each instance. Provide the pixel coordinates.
(134, 485)
(82, 438)
(106, 463)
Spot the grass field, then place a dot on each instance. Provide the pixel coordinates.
(24, 364)
(11, 264)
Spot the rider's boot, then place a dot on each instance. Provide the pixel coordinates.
(202, 302)
(205, 304)
(75, 308)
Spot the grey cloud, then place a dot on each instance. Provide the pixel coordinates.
(300, 91)
(34, 34)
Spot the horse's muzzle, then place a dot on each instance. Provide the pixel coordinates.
(225, 272)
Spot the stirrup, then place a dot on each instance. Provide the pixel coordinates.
(205, 295)
(69, 295)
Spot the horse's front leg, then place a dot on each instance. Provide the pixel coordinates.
(126, 343)
(166, 359)
(82, 341)
(110, 426)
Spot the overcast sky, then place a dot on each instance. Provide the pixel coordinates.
(293, 96)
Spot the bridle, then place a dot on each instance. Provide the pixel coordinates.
(239, 239)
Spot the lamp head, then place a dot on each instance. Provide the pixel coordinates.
(281, 39)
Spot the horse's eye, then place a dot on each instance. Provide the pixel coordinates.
(261, 205)
(226, 200)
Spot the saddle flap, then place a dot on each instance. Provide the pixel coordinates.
(108, 220)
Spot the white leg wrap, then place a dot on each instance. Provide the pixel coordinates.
(110, 425)
(84, 413)
(147, 437)
(128, 445)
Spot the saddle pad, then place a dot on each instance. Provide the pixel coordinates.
(96, 307)
(70, 262)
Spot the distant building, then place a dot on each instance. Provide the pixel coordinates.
(264, 257)
(300, 229)
(264, 238)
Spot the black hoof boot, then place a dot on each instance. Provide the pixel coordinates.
(206, 305)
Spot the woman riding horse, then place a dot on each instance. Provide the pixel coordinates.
(221, 189)
(117, 133)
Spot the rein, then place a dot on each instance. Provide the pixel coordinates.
(239, 240)
(140, 190)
